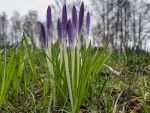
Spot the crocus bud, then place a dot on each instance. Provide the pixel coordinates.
(64, 21)
(70, 35)
(81, 18)
(59, 29)
(49, 20)
(44, 36)
(74, 20)
(87, 23)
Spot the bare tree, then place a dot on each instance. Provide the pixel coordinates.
(3, 29)
(30, 23)
(122, 21)
(16, 28)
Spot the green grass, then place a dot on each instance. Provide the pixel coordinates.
(25, 82)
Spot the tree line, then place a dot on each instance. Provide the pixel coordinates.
(11, 30)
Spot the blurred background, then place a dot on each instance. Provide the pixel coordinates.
(126, 23)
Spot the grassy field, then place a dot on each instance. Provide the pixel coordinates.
(25, 83)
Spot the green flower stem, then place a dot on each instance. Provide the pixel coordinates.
(68, 75)
(61, 56)
(74, 80)
(72, 58)
(87, 43)
(50, 66)
(61, 61)
(78, 60)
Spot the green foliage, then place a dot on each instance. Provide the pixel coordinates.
(7, 71)
(76, 72)
(28, 85)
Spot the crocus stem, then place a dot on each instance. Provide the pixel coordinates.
(50, 66)
(73, 58)
(61, 57)
(87, 44)
(68, 75)
(61, 61)
(78, 59)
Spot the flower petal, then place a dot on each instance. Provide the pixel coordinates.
(49, 19)
(74, 20)
(43, 35)
(59, 28)
(81, 18)
(64, 21)
(88, 22)
(70, 35)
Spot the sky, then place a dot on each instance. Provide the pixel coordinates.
(23, 6)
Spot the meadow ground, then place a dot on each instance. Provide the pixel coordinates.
(127, 93)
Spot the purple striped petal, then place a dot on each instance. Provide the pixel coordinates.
(70, 35)
(44, 35)
(74, 20)
(88, 22)
(64, 21)
(81, 18)
(59, 28)
(49, 20)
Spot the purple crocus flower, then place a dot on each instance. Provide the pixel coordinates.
(64, 21)
(88, 22)
(74, 20)
(59, 28)
(81, 18)
(49, 20)
(70, 35)
(44, 35)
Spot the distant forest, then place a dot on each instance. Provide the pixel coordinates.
(123, 22)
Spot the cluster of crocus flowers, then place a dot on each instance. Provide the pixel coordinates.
(69, 32)
(66, 27)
